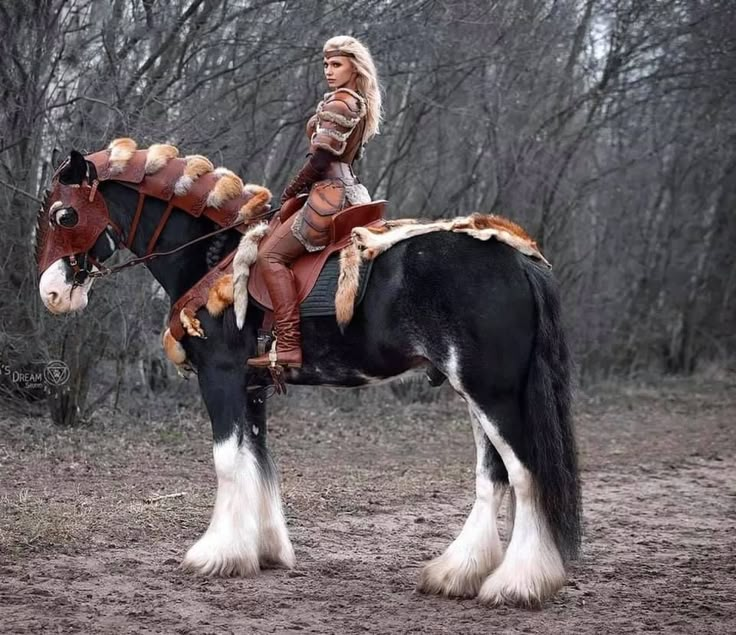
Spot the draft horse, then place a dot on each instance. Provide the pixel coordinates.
(478, 313)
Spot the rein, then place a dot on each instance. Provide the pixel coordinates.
(106, 271)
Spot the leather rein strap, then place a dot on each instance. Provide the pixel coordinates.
(106, 271)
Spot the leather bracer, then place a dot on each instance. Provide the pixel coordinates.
(312, 171)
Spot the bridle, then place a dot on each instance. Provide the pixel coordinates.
(83, 270)
(72, 230)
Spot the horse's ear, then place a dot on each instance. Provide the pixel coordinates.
(75, 170)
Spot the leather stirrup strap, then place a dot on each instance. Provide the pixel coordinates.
(267, 324)
(136, 219)
(160, 228)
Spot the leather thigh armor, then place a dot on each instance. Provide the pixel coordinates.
(312, 223)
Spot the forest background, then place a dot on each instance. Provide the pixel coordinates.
(607, 128)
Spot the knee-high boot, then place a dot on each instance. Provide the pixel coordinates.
(276, 258)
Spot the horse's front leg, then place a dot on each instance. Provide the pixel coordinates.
(274, 549)
(247, 527)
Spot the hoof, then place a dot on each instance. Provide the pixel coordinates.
(212, 556)
(524, 586)
(457, 574)
(276, 551)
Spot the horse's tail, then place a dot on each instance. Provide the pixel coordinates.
(547, 413)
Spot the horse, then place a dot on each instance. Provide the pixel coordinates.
(476, 313)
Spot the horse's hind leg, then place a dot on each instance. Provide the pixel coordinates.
(477, 550)
(532, 569)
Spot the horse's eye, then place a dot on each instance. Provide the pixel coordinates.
(67, 217)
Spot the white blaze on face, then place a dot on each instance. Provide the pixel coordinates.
(58, 294)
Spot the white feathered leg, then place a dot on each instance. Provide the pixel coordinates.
(477, 550)
(275, 546)
(230, 546)
(532, 569)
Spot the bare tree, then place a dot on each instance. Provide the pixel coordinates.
(604, 126)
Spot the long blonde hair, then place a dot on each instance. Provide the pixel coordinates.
(367, 82)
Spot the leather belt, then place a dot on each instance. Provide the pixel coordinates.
(340, 170)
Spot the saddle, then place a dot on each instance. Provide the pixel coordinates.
(308, 267)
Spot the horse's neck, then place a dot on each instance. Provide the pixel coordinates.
(176, 273)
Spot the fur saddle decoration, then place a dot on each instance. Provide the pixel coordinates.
(368, 243)
(244, 258)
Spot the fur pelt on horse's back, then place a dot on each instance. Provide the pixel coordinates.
(368, 243)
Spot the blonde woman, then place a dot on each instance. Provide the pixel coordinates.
(347, 117)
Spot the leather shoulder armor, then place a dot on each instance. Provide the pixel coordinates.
(338, 116)
(311, 126)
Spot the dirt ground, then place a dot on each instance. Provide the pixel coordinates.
(369, 497)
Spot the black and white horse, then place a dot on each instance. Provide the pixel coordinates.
(480, 313)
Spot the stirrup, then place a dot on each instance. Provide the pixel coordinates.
(276, 370)
(277, 376)
(271, 360)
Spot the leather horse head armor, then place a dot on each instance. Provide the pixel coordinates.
(73, 215)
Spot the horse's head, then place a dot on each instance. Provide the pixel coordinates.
(71, 235)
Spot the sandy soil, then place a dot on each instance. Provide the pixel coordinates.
(369, 498)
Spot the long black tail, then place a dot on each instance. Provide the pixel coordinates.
(548, 416)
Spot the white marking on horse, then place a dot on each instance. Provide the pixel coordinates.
(60, 296)
(230, 544)
(477, 550)
(452, 370)
(110, 241)
(532, 569)
(275, 547)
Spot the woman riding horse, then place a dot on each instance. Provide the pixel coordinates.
(345, 120)
(497, 336)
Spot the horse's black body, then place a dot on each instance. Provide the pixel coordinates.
(477, 312)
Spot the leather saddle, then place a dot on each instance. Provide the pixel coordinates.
(308, 267)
